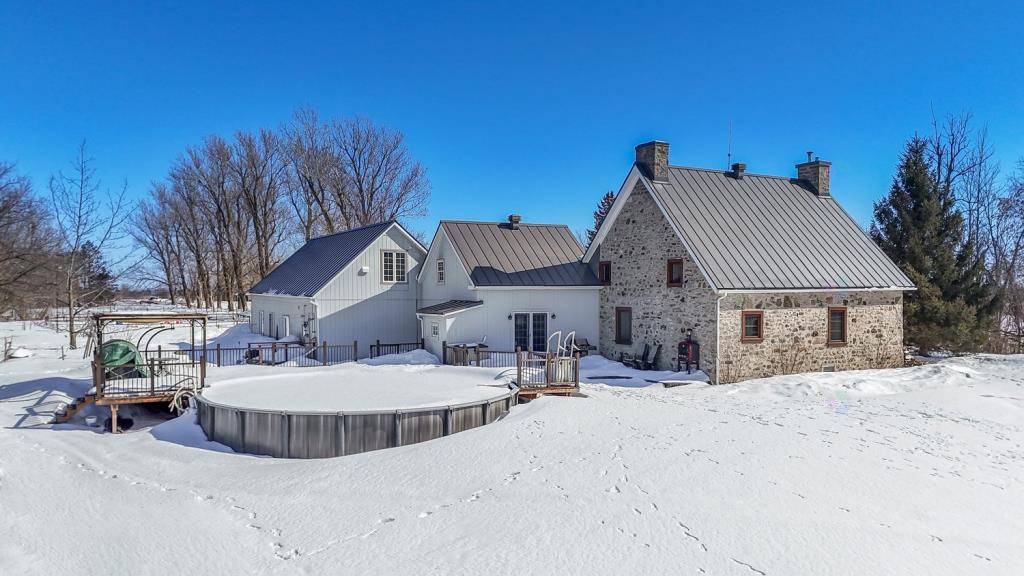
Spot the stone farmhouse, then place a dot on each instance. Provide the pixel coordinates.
(769, 274)
(766, 274)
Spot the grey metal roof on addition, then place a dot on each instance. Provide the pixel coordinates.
(311, 267)
(498, 254)
(449, 307)
(768, 232)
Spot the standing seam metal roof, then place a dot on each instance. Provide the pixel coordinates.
(770, 232)
(319, 260)
(529, 255)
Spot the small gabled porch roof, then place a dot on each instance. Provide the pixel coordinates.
(449, 307)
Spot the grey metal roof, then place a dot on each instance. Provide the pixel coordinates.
(311, 267)
(530, 255)
(768, 232)
(449, 307)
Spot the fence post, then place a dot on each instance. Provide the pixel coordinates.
(218, 354)
(273, 353)
(372, 354)
(444, 351)
(152, 377)
(423, 343)
(519, 366)
(355, 350)
(323, 355)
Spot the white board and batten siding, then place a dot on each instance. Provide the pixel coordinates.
(279, 316)
(567, 309)
(359, 306)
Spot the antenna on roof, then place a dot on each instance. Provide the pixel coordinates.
(728, 161)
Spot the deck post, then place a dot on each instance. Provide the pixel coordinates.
(273, 353)
(113, 418)
(152, 377)
(444, 351)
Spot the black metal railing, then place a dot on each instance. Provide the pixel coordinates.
(158, 376)
(382, 349)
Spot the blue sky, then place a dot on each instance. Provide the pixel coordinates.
(533, 109)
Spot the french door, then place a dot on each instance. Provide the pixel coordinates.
(530, 330)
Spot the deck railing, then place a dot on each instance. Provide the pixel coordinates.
(158, 376)
(533, 369)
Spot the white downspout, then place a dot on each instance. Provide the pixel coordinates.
(718, 335)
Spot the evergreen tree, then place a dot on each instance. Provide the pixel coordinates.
(920, 228)
(603, 207)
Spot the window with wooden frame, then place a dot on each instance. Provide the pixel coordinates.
(440, 271)
(623, 325)
(752, 326)
(604, 272)
(837, 326)
(392, 266)
(675, 273)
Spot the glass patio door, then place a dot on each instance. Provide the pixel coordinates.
(530, 330)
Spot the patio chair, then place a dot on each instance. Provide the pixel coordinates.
(632, 360)
(648, 360)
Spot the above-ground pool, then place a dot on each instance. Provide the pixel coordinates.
(347, 409)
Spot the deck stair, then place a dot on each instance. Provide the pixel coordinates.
(68, 412)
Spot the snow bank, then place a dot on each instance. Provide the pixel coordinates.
(185, 431)
(952, 372)
(20, 353)
(406, 358)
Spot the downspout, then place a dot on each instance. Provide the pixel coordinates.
(718, 335)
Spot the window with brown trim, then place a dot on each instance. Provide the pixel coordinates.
(752, 326)
(837, 326)
(675, 273)
(623, 325)
(604, 272)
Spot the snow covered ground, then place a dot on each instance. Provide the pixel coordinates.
(911, 471)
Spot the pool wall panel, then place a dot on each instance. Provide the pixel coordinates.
(328, 434)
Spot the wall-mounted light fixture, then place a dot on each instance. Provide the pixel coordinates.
(509, 316)
(553, 316)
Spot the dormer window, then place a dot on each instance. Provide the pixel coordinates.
(393, 267)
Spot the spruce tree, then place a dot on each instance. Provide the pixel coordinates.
(603, 207)
(920, 228)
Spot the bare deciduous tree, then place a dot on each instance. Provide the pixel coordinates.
(25, 238)
(83, 215)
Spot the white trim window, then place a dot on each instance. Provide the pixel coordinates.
(440, 271)
(435, 330)
(393, 267)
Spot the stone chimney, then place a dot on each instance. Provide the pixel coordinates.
(738, 169)
(652, 158)
(816, 173)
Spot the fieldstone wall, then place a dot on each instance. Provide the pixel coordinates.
(795, 333)
(639, 245)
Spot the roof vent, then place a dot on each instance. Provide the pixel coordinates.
(738, 169)
(514, 220)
